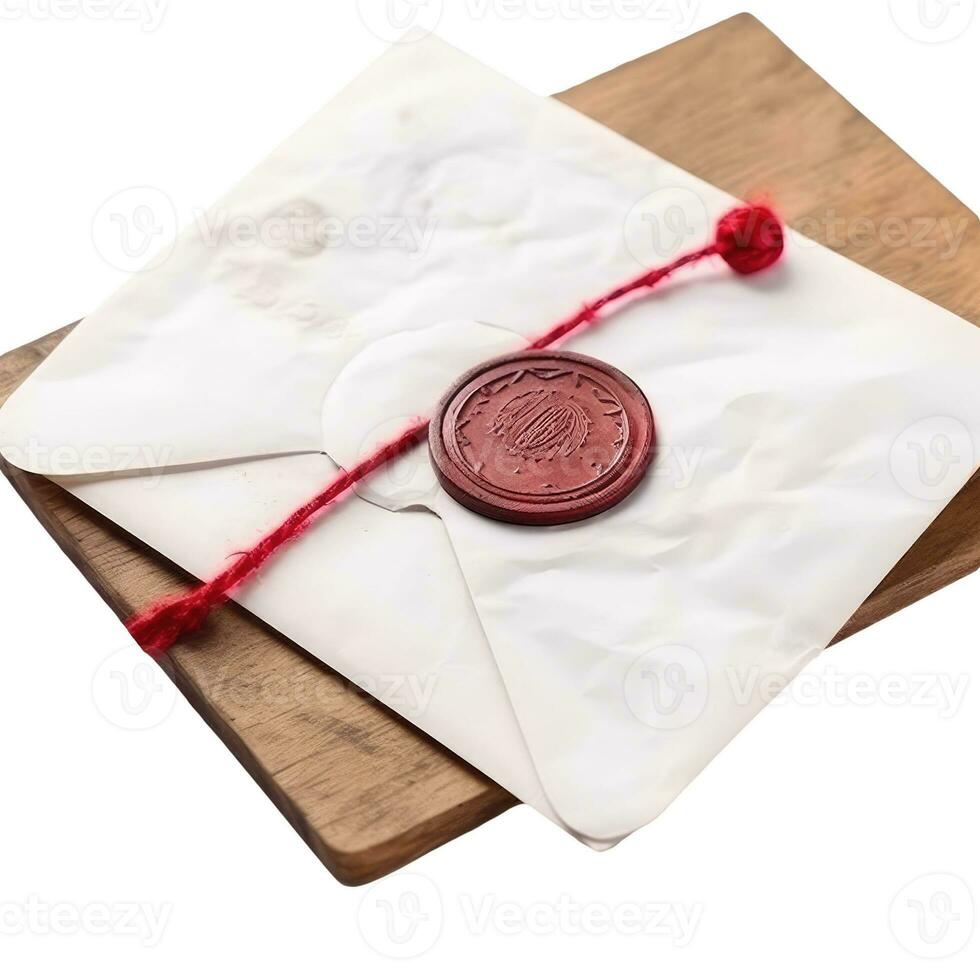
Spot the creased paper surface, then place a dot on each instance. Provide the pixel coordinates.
(812, 421)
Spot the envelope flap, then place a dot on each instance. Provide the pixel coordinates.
(384, 213)
(812, 425)
(133, 388)
(788, 408)
(810, 432)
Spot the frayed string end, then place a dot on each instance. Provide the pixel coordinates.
(159, 627)
(749, 238)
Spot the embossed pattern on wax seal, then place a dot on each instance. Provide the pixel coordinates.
(542, 437)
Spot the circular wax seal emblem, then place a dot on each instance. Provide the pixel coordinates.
(541, 437)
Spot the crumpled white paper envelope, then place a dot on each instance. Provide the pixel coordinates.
(813, 421)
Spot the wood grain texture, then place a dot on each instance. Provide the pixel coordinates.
(735, 106)
(363, 788)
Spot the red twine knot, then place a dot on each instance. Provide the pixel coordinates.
(749, 238)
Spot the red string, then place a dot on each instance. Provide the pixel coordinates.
(749, 239)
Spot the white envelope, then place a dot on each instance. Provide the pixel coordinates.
(813, 421)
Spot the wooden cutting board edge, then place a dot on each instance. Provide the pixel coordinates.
(477, 799)
(471, 802)
(349, 867)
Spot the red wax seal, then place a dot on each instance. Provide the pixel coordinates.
(542, 437)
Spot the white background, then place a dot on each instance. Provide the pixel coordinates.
(802, 850)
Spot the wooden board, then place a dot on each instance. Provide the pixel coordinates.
(365, 790)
